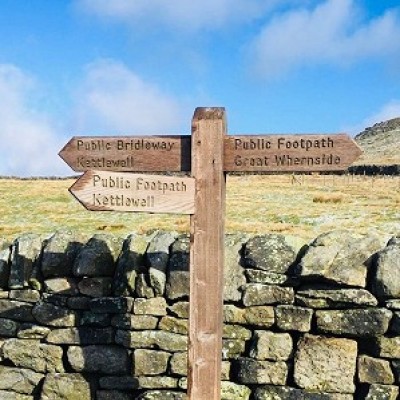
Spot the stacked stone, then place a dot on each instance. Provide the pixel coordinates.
(105, 318)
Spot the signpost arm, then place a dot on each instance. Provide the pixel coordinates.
(207, 255)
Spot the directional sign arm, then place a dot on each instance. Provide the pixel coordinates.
(290, 153)
(112, 191)
(128, 153)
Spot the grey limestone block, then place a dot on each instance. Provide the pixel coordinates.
(256, 294)
(374, 370)
(226, 370)
(335, 298)
(16, 310)
(158, 382)
(157, 258)
(111, 305)
(260, 316)
(96, 286)
(325, 396)
(5, 253)
(156, 306)
(175, 325)
(65, 386)
(272, 253)
(293, 318)
(19, 380)
(233, 391)
(59, 253)
(325, 364)
(8, 327)
(92, 319)
(78, 303)
(341, 257)
(134, 322)
(26, 295)
(250, 371)
(143, 288)
(386, 282)
(267, 345)
(98, 257)
(85, 335)
(179, 364)
(387, 347)
(233, 270)
(5, 395)
(177, 284)
(233, 348)
(53, 315)
(108, 360)
(382, 392)
(113, 395)
(150, 362)
(162, 395)
(235, 332)
(272, 392)
(32, 331)
(25, 252)
(124, 382)
(180, 309)
(270, 278)
(151, 339)
(354, 322)
(33, 354)
(130, 263)
(65, 286)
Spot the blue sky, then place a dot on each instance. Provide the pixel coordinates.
(101, 67)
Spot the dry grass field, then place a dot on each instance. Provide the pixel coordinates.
(301, 205)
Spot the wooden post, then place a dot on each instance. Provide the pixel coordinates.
(207, 255)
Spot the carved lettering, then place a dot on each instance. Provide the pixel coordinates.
(325, 159)
(252, 144)
(305, 144)
(102, 200)
(143, 144)
(251, 161)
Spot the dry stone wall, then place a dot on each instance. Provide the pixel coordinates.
(107, 318)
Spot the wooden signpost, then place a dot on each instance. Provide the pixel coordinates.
(209, 153)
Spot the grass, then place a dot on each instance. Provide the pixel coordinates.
(304, 206)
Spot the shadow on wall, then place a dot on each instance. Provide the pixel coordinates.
(69, 320)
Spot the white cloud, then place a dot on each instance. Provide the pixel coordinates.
(113, 99)
(331, 33)
(29, 145)
(387, 111)
(190, 15)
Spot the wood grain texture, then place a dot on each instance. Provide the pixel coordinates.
(289, 153)
(128, 153)
(207, 255)
(113, 191)
(242, 153)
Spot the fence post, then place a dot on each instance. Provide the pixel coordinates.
(207, 255)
